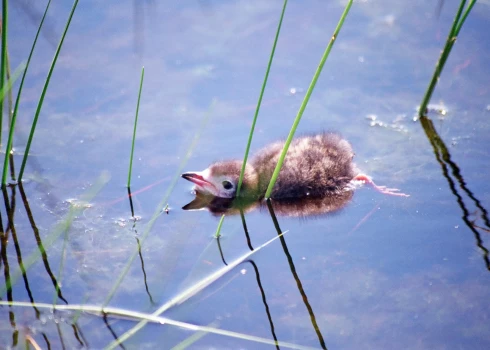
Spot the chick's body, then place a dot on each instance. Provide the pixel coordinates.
(315, 166)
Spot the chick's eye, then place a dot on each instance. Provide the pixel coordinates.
(227, 185)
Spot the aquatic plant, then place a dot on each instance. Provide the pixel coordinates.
(45, 89)
(135, 125)
(458, 22)
(254, 121)
(17, 101)
(3, 59)
(302, 108)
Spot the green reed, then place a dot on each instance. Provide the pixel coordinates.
(217, 234)
(45, 89)
(135, 125)
(458, 22)
(250, 136)
(3, 59)
(17, 101)
(305, 100)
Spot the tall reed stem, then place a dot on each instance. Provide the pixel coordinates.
(17, 101)
(45, 89)
(135, 125)
(451, 39)
(250, 136)
(3, 60)
(305, 100)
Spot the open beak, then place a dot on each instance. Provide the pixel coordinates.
(200, 181)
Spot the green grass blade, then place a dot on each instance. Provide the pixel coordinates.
(451, 39)
(14, 114)
(306, 99)
(135, 124)
(17, 101)
(465, 15)
(189, 292)
(45, 89)
(218, 230)
(3, 60)
(250, 136)
(10, 98)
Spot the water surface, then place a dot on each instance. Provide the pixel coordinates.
(383, 272)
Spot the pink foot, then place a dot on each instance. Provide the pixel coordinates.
(383, 189)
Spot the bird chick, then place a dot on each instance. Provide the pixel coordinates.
(315, 166)
(220, 179)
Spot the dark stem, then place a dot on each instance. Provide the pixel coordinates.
(296, 277)
(144, 271)
(39, 242)
(264, 300)
(444, 159)
(221, 251)
(245, 229)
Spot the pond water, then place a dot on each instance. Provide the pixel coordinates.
(382, 272)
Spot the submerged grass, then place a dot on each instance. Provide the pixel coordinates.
(194, 337)
(252, 129)
(45, 89)
(190, 292)
(59, 278)
(160, 208)
(8, 86)
(17, 101)
(135, 125)
(116, 312)
(61, 227)
(306, 99)
(451, 39)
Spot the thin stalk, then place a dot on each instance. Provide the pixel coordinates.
(465, 15)
(305, 100)
(250, 136)
(3, 60)
(218, 230)
(135, 124)
(10, 115)
(17, 100)
(45, 89)
(10, 98)
(451, 39)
